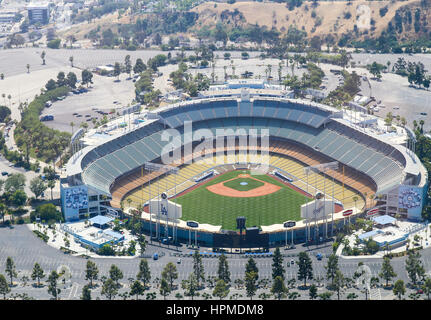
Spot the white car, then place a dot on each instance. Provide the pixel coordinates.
(376, 109)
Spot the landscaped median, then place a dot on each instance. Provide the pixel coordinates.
(34, 137)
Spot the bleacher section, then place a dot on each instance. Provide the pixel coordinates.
(291, 159)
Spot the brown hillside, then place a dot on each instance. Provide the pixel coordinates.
(331, 13)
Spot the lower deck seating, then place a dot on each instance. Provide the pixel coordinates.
(348, 187)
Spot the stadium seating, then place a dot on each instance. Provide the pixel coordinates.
(295, 129)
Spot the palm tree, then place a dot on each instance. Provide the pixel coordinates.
(43, 54)
(28, 68)
(9, 97)
(72, 125)
(3, 210)
(71, 61)
(269, 70)
(355, 198)
(292, 66)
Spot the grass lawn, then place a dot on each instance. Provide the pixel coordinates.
(236, 184)
(206, 207)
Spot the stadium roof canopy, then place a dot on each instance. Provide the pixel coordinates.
(384, 220)
(100, 220)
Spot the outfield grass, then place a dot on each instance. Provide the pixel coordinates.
(206, 207)
(236, 184)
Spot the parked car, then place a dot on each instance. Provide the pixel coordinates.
(47, 118)
(4, 173)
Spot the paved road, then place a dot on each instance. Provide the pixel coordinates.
(20, 244)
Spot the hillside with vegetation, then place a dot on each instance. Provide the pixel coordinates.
(385, 26)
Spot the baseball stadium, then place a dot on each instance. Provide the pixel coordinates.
(244, 158)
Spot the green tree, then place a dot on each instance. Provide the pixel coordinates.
(165, 289)
(4, 287)
(339, 282)
(252, 267)
(139, 66)
(37, 273)
(387, 272)
(109, 289)
(115, 274)
(277, 264)
(305, 268)
(51, 85)
(71, 80)
(54, 44)
(144, 273)
(37, 186)
(325, 295)
(86, 293)
(61, 79)
(223, 269)
(250, 283)
(352, 296)
(191, 286)
(414, 267)
(137, 289)
(10, 269)
(42, 56)
(47, 212)
(117, 70)
(142, 242)
(399, 289)
(87, 77)
(16, 181)
(91, 272)
(170, 273)
(312, 292)
(426, 287)
(279, 289)
(128, 65)
(331, 268)
(18, 198)
(198, 268)
(221, 289)
(3, 211)
(53, 285)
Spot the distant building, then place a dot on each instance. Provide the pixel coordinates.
(7, 17)
(38, 12)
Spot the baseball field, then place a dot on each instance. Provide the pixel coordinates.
(262, 199)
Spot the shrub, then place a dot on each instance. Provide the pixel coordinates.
(383, 11)
(106, 250)
(54, 44)
(47, 212)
